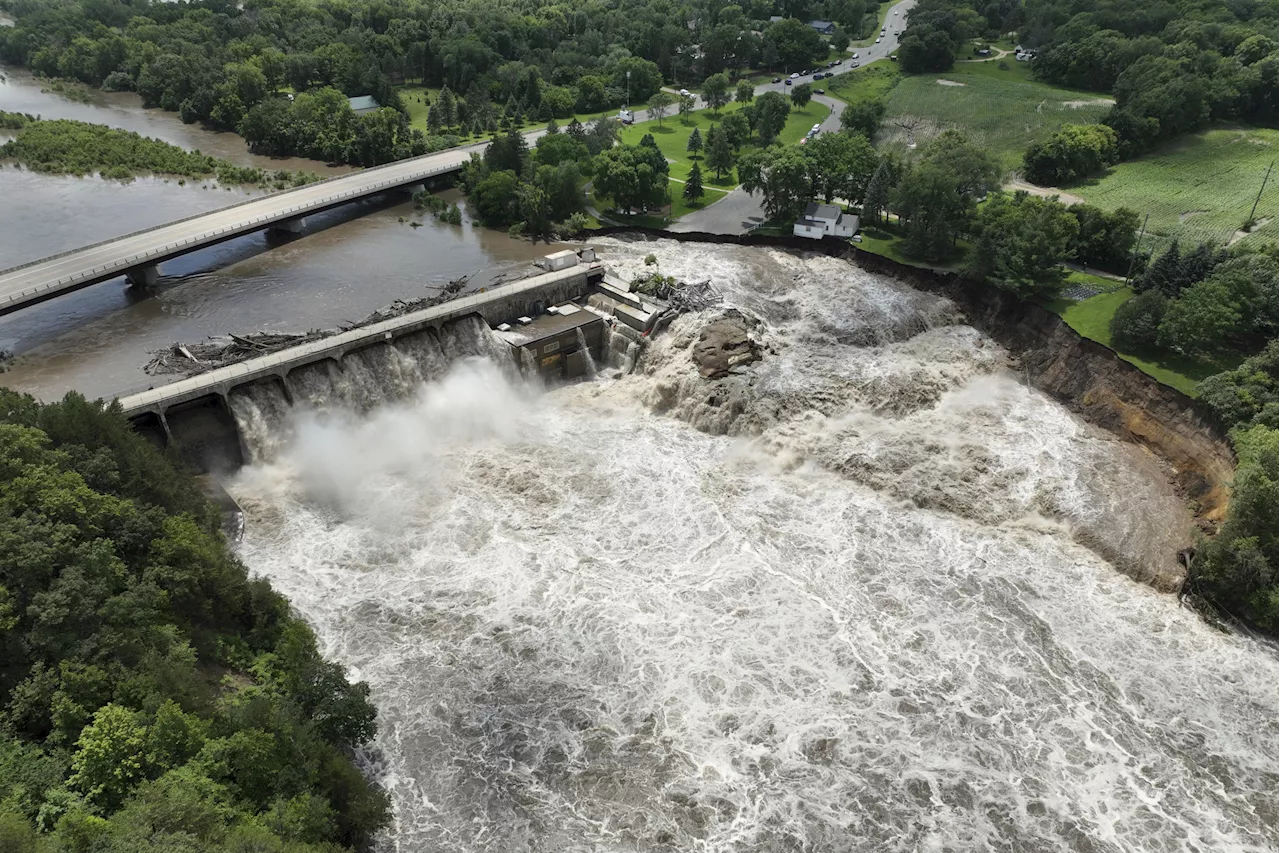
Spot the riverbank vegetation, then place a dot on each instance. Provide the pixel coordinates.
(66, 147)
(152, 695)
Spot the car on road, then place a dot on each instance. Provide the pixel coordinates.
(806, 72)
(855, 65)
(877, 41)
(855, 55)
(787, 82)
(777, 79)
(815, 128)
(684, 93)
(819, 76)
(794, 76)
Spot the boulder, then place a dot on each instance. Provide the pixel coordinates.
(725, 343)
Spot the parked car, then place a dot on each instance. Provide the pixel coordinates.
(777, 79)
(806, 72)
(626, 116)
(855, 55)
(855, 65)
(819, 91)
(819, 76)
(684, 93)
(787, 82)
(795, 76)
(893, 57)
(877, 41)
(815, 128)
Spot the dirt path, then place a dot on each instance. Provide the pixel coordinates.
(999, 54)
(1063, 196)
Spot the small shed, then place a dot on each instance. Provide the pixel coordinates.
(558, 260)
(821, 220)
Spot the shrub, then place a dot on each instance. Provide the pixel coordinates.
(1136, 323)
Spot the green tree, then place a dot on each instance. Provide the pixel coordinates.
(1073, 152)
(496, 198)
(840, 164)
(1163, 274)
(693, 185)
(1245, 396)
(634, 177)
(535, 208)
(801, 95)
(1020, 243)
(448, 104)
(719, 156)
(736, 128)
(715, 91)
(793, 43)
(109, 758)
(1201, 320)
(770, 112)
(745, 92)
(1136, 323)
(876, 198)
(1236, 569)
(695, 143)
(1106, 238)
(686, 105)
(781, 176)
(864, 117)
(659, 105)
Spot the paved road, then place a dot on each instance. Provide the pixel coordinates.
(51, 277)
(738, 212)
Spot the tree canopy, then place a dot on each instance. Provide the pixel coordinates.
(152, 695)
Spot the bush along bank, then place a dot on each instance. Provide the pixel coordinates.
(152, 695)
(66, 147)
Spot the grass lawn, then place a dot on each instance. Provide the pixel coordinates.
(672, 135)
(1199, 188)
(1002, 110)
(864, 84)
(1092, 319)
(884, 239)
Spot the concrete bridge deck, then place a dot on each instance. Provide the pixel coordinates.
(38, 281)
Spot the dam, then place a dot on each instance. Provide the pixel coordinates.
(541, 327)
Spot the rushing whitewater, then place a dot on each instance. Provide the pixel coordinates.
(868, 594)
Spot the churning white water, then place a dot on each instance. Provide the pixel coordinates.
(876, 600)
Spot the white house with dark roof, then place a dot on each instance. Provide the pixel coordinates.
(822, 220)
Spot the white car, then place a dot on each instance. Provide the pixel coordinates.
(815, 128)
(855, 55)
(684, 92)
(795, 76)
(877, 41)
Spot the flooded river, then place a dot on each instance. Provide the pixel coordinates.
(350, 262)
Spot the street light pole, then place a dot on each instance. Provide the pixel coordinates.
(628, 89)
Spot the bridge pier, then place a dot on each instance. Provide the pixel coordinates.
(144, 276)
(290, 226)
(415, 188)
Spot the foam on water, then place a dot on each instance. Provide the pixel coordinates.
(870, 609)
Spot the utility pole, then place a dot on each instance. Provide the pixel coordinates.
(628, 89)
(1136, 243)
(1260, 189)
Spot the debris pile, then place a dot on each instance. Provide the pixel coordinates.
(221, 351)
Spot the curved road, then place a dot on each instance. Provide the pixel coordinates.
(738, 212)
(51, 277)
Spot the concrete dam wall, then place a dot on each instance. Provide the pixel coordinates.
(357, 369)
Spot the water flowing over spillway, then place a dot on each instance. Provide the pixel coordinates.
(870, 595)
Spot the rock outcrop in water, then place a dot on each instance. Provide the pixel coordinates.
(725, 343)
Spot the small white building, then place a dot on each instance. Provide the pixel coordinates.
(557, 261)
(821, 220)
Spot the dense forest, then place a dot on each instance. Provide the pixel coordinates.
(152, 695)
(278, 71)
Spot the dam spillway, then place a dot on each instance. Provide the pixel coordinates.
(357, 369)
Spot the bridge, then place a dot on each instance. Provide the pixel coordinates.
(139, 255)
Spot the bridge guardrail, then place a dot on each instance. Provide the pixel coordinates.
(132, 260)
(334, 178)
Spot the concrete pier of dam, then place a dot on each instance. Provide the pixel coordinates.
(195, 414)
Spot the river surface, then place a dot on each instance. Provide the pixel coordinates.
(867, 596)
(351, 261)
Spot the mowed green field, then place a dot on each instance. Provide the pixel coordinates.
(1200, 188)
(1004, 111)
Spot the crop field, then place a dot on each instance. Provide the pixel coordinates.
(1002, 110)
(1201, 188)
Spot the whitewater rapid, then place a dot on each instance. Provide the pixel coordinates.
(870, 595)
